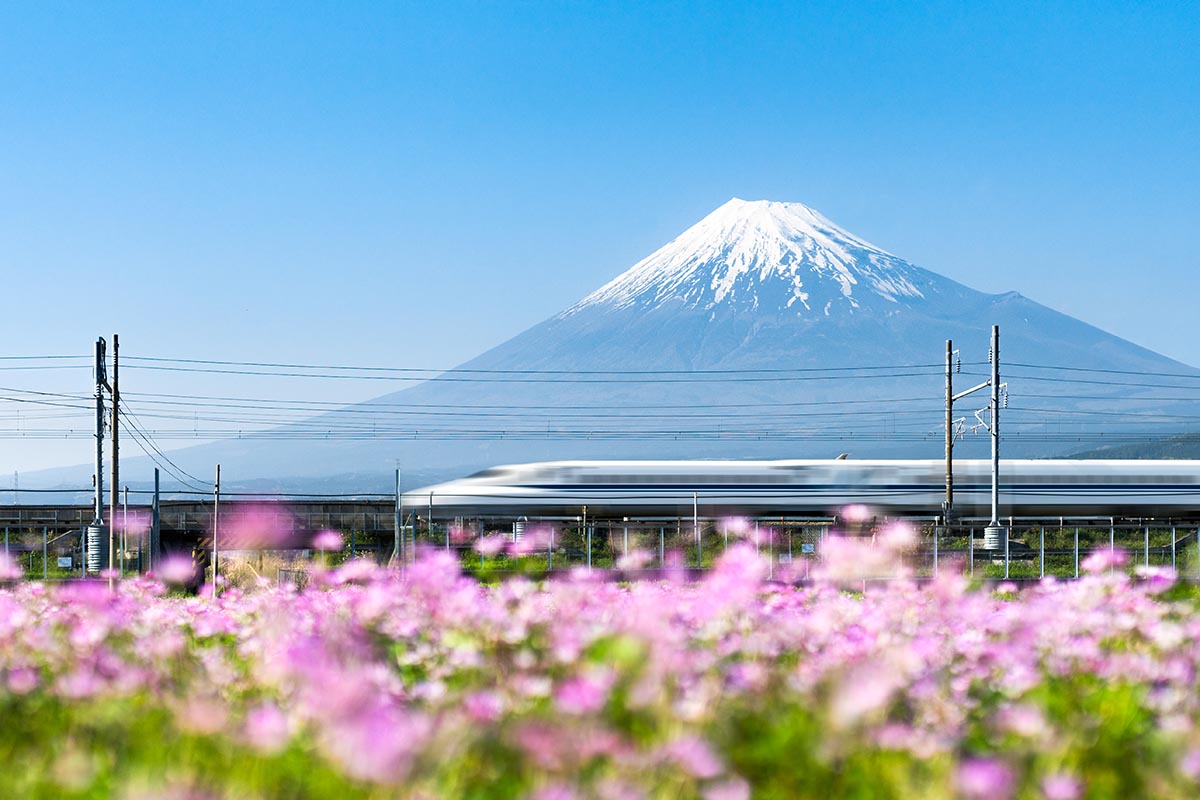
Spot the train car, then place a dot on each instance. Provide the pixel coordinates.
(817, 487)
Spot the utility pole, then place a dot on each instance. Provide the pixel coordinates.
(216, 515)
(948, 505)
(114, 490)
(398, 544)
(994, 534)
(93, 542)
(155, 530)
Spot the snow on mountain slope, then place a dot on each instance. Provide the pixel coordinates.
(765, 256)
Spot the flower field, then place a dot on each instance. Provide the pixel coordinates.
(428, 684)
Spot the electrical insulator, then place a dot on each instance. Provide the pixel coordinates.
(989, 355)
(958, 365)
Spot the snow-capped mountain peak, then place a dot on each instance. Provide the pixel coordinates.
(764, 255)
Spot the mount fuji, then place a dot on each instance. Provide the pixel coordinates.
(764, 330)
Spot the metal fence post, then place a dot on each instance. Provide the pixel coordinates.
(1042, 552)
(1112, 540)
(971, 551)
(45, 552)
(1172, 548)
(1007, 536)
(935, 550)
(1077, 552)
(1146, 559)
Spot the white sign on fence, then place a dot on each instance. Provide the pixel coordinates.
(808, 547)
(65, 561)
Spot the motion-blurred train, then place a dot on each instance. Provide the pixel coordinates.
(817, 487)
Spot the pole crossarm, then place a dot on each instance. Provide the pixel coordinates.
(972, 390)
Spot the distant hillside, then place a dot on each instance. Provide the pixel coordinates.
(1185, 446)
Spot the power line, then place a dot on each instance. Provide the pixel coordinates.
(450, 377)
(480, 371)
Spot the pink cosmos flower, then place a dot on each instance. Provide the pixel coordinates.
(490, 545)
(10, 570)
(177, 569)
(1061, 787)
(582, 695)
(483, 707)
(328, 541)
(1190, 764)
(637, 559)
(856, 513)
(734, 789)
(22, 680)
(985, 779)
(266, 728)
(694, 756)
(1103, 560)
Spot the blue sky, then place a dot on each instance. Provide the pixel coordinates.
(408, 185)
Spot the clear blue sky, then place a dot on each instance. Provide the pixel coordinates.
(385, 183)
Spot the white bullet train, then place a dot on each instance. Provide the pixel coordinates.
(817, 487)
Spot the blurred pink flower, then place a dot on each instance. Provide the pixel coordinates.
(535, 539)
(582, 695)
(985, 779)
(555, 791)
(266, 728)
(22, 680)
(201, 713)
(694, 756)
(1189, 765)
(865, 690)
(490, 545)
(736, 526)
(10, 570)
(1061, 787)
(1103, 560)
(328, 541)
(176, 568)
(856, 513)
(263, 525)
(483, 707)
(1155, 579)
(896, 536)
(637, 559)
(733, 789)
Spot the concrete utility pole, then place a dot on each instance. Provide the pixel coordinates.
(398, 543)
(948, 505)
(116, 458)
(93, 543)
(994, 537)
(995, 531)
(155, 527)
